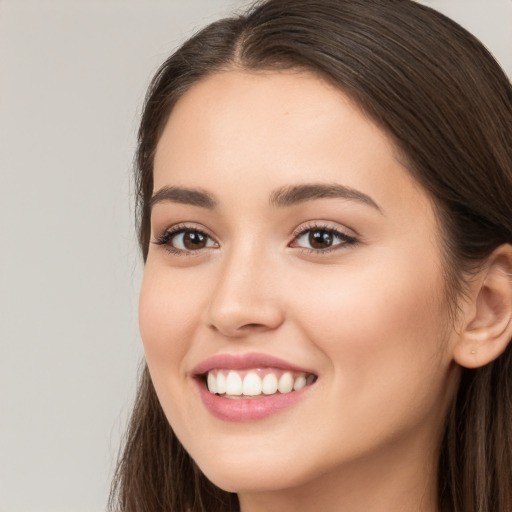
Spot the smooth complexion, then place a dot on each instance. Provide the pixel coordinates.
(365, 311)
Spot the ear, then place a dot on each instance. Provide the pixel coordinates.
(487, 323)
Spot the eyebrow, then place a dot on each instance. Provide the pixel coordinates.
(282, 197)
(183, 195)
(297, 194)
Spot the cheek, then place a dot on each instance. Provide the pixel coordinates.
(377, 323)
(381, 333)
(167, 319)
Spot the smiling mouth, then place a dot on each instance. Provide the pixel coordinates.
(255, 383)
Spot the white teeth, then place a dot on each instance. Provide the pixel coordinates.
(212, 383)
(221, 383)
(269, 384)
(299, 383)
(252, 385)
(285, 384)
(233, 384)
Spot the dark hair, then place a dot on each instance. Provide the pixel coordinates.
(447, 106)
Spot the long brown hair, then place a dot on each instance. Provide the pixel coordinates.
(447, 106)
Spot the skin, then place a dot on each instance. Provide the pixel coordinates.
(371, 318)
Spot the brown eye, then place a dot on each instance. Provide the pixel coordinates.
(193, 240)
(320, 239)
(184, 240)
(190, 240)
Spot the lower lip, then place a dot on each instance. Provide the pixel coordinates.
(248, 409)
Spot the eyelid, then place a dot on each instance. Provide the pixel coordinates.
(180, 226)
(325, 225)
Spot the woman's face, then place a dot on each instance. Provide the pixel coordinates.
(290, 248)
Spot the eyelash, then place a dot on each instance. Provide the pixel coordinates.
(170, 234)
(346, 240)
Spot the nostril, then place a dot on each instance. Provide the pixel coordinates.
(253, 326)
(240, 330)
(236, 317)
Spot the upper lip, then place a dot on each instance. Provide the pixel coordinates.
(245, 362)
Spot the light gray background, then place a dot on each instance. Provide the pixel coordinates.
(72, 77)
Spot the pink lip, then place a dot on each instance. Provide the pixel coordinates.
(252, 409)
(245, 362)
(246, 409)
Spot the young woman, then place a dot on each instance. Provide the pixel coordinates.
(324, 208)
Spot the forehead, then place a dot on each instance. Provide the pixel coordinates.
(276, 128)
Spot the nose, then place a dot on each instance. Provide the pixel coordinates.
(245, 298)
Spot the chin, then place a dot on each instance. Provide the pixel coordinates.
(262, 469)
(252, 478)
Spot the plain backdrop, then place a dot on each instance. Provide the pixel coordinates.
(72, 79)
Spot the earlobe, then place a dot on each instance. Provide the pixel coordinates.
(488, 329)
